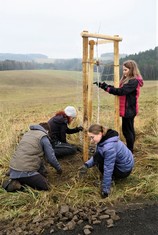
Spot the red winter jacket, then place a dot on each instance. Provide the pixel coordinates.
(129, 94)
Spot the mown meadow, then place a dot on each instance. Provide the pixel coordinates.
(30, 97)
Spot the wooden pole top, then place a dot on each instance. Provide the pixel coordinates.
(101, 36)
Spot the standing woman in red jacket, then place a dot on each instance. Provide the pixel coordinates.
(128, 93)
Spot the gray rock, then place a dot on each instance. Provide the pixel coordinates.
(110, 212)
(88, 227)
(96, 222)
(104, 216)
(110, 223)
(80, 222)
(115, 217)
(64, 209)
(70, 225)
(86, 231)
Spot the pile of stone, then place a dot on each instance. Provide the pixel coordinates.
(67, 218)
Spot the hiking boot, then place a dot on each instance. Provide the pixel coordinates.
(11, 185)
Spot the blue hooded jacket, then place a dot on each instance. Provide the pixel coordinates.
(115, 154)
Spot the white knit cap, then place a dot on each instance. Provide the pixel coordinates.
(70, 111)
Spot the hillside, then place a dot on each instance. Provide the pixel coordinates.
(110, 56)
(146, 60)
(21, 57)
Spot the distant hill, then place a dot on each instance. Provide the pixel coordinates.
(110, 56)
(42, 59)
(21, 57)
(147, 63)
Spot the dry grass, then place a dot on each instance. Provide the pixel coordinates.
(29, 97)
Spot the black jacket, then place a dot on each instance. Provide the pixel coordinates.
(128, 96)
(59, 128)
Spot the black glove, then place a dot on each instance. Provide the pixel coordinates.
(59, 172)
(104, 195)
(83, 169)
(79, 128)
(98, 84)
(102, 85)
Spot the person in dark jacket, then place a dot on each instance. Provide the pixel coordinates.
(26, 165)
(112, 157)
(128, 93)
(59, 129)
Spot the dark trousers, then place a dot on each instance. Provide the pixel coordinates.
(64, 149)
(117, 174)
(38, 182)
(129, 132)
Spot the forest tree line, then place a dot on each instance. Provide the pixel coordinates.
(147, 63)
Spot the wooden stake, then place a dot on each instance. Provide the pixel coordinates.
(85, 69)
(90, 80)
(116, 84)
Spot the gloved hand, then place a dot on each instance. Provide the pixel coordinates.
(97, 84)
(83, 170)
(79, 128)
(102, 85)
(103, 194)
(59, 172)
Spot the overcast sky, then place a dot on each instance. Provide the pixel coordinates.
(53, 27)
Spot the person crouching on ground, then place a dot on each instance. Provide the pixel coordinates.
(59, 129)
(26, 165)
(112, 157)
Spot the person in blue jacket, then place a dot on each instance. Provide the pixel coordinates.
(112, 157)
(27, 162)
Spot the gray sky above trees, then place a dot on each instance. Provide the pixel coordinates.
(53, 27)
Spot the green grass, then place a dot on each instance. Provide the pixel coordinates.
(29, 97)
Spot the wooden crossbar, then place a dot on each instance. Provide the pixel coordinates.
(101, 36)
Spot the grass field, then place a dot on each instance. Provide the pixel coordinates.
(29, 97)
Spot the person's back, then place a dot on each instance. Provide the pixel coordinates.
(58, 126)
(124, 157)
(27, 156)
(26, 165)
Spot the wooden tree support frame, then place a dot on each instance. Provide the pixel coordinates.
(87, 70)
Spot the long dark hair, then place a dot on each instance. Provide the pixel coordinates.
(133, 71)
